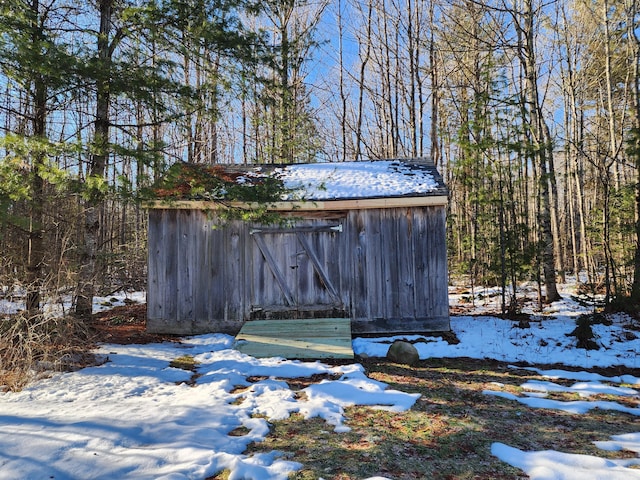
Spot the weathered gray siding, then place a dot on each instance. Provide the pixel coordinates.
(401, 270)
(386, 269)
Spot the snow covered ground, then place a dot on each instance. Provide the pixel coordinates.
(131, 417)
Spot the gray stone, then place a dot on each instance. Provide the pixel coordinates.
(403, 352)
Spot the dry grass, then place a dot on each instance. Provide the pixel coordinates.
(447, 434)
(31, 347)
(185, 362)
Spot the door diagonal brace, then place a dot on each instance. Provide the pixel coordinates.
(319, 268)
(277, 273)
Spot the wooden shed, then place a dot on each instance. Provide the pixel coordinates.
(364, 241)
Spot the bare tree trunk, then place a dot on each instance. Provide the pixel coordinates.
(553, 201)
(364, 60)
(343, 95)
(435, 94)
(634, 44)
(36, 253)
(414, 60)
(572, 147)
(97, 168)
(608, 164)
(543, 151)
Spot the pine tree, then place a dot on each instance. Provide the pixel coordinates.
(39, 69)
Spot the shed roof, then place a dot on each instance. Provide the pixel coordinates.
(361, 180)
(315, 186)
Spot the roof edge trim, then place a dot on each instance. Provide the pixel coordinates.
(301, 206)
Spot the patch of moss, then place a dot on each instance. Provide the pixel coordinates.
(185, 362)
(188, 181)
(240, 194)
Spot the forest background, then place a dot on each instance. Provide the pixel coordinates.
(530, 109)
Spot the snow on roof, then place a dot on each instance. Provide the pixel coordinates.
(366, 179)
(306, 183)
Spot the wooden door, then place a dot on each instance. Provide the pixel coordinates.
(295, 272)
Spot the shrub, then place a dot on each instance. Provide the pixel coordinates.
(584, 333)
(31, 346)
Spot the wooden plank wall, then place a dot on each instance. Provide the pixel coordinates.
(401, 270)
(388, 266)
(196, 280)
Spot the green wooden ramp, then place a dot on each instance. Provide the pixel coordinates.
(310, 338)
